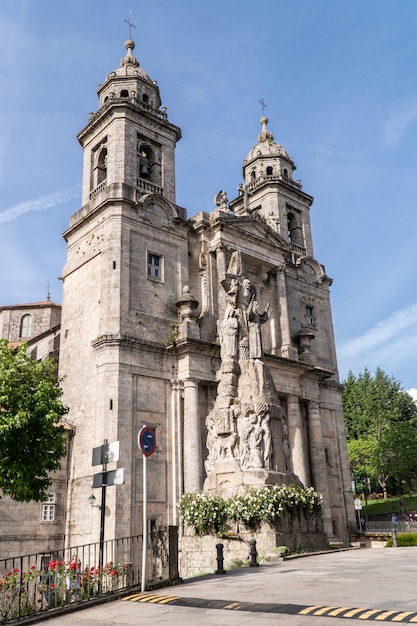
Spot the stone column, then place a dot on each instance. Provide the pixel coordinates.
(296, 437)
(193, 466)
(275, 324)
(287, 349)
(318, 463)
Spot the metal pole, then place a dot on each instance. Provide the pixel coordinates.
(102, 523)
(359, 521)
(145, 529)
(103, 506)
(394, 537)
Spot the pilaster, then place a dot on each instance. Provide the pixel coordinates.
(318, 463)
(296, 437)
(287, 349)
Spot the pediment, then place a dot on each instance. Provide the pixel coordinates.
(255, 226)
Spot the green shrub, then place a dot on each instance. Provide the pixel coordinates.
(403, 540)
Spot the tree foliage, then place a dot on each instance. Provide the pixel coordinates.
(381, 426)
(32, 442)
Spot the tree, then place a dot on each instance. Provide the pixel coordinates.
(381, 426)
(32, 441)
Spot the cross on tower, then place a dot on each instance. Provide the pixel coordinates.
(129, 21)
(263, 105)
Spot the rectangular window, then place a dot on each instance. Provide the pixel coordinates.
(154, 266)
(48, 512)
(48, 508)
(310, 315)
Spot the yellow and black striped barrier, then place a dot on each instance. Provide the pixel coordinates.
(378, 615)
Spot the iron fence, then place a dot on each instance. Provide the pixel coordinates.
(42, 581)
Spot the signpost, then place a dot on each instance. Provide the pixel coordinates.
(147, 444)
(106, 453)
(358, 507)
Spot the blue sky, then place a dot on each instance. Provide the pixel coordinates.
(339, 81)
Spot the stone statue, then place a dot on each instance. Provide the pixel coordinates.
(255, 319)
(220, 200)
(239, 434)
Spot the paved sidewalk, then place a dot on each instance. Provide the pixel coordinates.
(349, 587)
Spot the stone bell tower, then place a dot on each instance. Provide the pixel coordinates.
(126, 264)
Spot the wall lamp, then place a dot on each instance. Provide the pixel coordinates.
(92, 502)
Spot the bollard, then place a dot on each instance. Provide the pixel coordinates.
(394, 537)
(253, 553)
(220, 569)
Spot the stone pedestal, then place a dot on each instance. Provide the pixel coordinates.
(227, 479)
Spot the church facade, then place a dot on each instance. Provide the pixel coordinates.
(215, 331)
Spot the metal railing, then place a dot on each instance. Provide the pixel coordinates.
(386, 526)
(40, 582)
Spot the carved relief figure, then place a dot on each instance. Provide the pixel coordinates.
(255, 319)
(266, 425)
(230, 334)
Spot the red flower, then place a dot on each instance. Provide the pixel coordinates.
(16, 569)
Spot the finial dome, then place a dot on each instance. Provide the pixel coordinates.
(266, 146)
(129, 59)
(265, 133)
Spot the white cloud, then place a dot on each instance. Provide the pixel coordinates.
(40, 204)
(398, 124)
(413, 393)
(380, 334)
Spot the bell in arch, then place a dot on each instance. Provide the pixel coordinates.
(144, 167)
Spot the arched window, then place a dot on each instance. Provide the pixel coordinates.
(295, 234)
(253, 175)
(269, 170)
(285, 173)
(101, 166)
(146, 161)
(145, 98)
(26, 327)
(124, 93)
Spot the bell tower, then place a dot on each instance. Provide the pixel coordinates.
(129, 139)
(127, 260)
(271, 191)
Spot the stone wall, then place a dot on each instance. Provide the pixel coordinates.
(197, 555)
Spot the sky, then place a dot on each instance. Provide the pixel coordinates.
(339, 81)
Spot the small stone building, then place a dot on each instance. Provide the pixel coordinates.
(216, 331)
(32, 527)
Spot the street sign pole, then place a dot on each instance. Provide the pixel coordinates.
(103, 512)
(358, 507)
(147, 443)
(145, 526)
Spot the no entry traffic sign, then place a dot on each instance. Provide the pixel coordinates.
(147, 441)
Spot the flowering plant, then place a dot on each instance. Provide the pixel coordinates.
(27, 592)
(208, 513)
